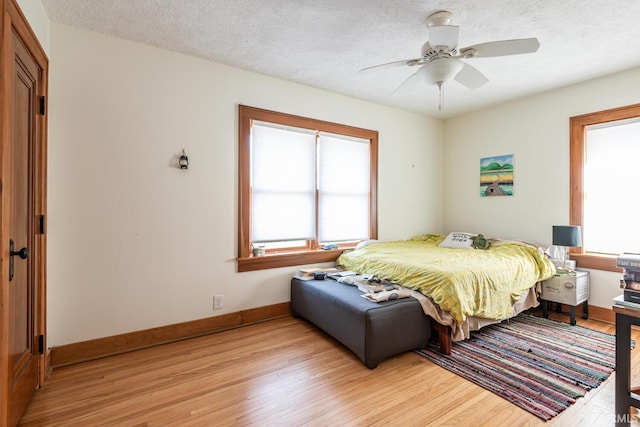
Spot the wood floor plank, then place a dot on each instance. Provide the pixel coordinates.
(285, 372)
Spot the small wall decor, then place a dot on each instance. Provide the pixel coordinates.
(496, 176)
(184, 160)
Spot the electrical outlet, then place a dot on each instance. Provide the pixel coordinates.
(218, 301)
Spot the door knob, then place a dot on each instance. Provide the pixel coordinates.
(22, 253)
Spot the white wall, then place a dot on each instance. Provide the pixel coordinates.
(34, 11)
(536, 131)
(136, 243)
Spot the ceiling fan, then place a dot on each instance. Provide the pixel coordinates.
(441, 60)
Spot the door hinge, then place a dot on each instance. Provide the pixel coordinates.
(43, 105)
(41, 344)
(41, 224)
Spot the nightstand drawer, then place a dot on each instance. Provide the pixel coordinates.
(567, 288)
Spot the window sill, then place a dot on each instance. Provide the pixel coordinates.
(287, 259)
(596, 262)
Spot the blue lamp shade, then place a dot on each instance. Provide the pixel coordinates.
(567, 235)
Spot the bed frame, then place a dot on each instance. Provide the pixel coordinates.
(444, 337)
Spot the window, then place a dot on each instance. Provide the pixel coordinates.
(303, 184)
(604, 178)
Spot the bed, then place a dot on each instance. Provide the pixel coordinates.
(462, 281)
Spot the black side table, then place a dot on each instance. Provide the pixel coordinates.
(625, 397)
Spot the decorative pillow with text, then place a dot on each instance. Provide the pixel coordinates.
(458, 240)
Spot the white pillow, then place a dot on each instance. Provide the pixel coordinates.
(458, 240)
(365, 243)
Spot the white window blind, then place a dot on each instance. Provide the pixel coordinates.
(343, 188)
(283, 183)
(611, 181)
(289, 166)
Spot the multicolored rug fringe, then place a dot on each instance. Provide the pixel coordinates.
(541, 365)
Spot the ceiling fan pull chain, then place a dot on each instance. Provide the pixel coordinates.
(441, 90)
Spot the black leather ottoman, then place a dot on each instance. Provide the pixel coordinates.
(373, 331)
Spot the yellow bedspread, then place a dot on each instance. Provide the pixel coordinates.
(463, 282)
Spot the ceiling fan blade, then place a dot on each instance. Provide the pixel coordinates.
(470, 77)
(409, 83)
(444, 35)
(393, 64)
(503, 48)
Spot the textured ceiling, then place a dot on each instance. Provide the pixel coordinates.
(323, 43)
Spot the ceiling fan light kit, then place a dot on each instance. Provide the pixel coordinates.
(439, 70)
(440, 59)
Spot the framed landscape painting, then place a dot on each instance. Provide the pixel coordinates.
(496, 176)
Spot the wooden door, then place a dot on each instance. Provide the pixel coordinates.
(23, 345)
(22, 205)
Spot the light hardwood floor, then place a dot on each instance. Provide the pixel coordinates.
(285, 372)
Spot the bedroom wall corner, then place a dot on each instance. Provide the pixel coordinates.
(536, 131)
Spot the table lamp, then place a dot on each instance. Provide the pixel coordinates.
(567, 235)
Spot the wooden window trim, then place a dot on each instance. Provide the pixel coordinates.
(246, 261)
(578, 125)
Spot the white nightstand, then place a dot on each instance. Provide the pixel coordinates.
(570, 289)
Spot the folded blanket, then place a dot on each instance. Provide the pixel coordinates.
(387, 295)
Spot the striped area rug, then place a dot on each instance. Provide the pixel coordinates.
(541, 365)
